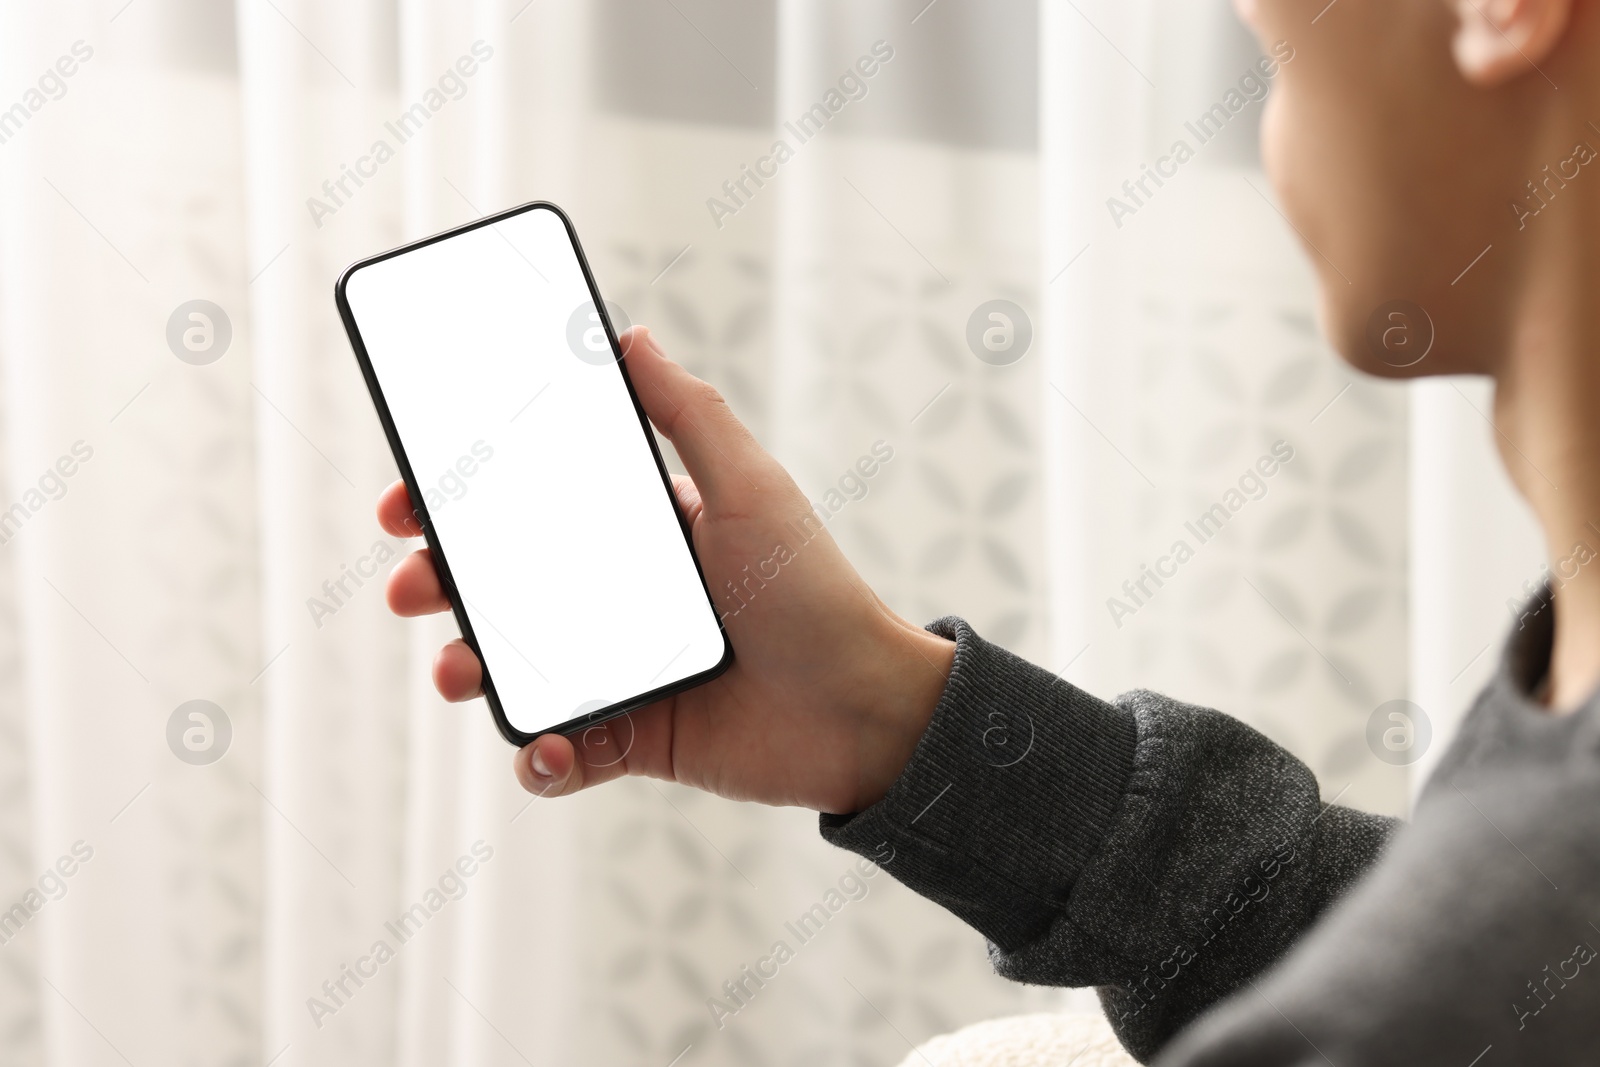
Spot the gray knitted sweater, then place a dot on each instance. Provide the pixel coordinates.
(1184, 864)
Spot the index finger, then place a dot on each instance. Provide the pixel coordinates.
(395, 513)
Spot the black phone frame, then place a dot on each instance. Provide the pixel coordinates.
(420, 508)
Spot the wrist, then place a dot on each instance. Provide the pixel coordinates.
(913, 668)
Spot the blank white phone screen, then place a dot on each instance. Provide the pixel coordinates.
(546, 500)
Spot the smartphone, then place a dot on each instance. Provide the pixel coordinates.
(500, 383)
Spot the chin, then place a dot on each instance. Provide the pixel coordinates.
(1395, 337)
(1351, 337)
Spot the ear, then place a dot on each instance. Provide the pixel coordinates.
(1498, 40)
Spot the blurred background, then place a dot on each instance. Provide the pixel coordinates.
(163, 159)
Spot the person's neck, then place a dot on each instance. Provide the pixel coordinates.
(1547, 414)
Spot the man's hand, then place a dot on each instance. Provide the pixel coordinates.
(829, 690)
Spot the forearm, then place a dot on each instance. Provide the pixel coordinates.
(975, 821)
(1162, 852)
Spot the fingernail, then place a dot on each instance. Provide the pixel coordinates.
(641, 338)
(540, 767)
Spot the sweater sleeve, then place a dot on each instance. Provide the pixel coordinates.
(1161, 852)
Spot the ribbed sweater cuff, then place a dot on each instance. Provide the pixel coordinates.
(1008, 795)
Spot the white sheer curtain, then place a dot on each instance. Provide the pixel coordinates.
(1181, 346)
(203, 151)
(1184, 351)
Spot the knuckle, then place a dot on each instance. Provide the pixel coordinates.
(706, 395)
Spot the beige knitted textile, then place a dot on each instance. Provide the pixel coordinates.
(1026, 1041)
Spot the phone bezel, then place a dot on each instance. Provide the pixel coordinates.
(420, 508)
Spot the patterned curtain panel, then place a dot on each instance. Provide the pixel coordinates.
(1236, 518)
(921, 239)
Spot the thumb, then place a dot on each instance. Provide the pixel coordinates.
(720, 455)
